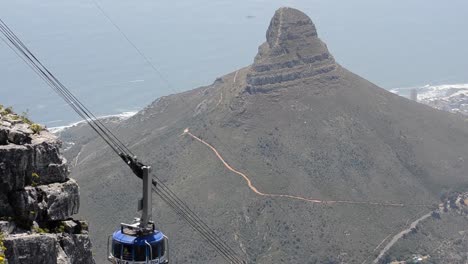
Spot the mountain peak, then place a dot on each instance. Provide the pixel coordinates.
(289, 24)
(292, 51)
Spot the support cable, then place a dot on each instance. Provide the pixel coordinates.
(147, 60)
(20, 49)
(218, 245)
(31, 60)
(213, 237)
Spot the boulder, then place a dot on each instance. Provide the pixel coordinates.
(77, 248)
(62, 258)
(33, 248)
(19, 162)
(7, 227)
(26, 204)
(5, 123)
(54, 172)
(48, 249)
(59, 200)
(18, 137)
(15, 167)
(70, 226)
(24, 128)
(56, 201)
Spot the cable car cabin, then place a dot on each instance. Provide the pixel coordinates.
(131, 245)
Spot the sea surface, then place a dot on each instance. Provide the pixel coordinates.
(394, 44)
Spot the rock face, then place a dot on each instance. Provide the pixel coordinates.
(292, 52)
(37, 198)
(50, 202)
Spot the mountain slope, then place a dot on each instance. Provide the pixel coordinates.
(295, 123)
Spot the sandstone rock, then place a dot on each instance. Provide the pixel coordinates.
(26, 204)
(35, 193)
(34, 248)
(15, 167)
(54, 173)
(62, 257)
(55, 201)
(59, 200)
(48, 164)
(18, 137)
(48, 249)
(77, 248)
(70, 226)
(5, 207)
(18, 163)
(13, 119)
(3, 135)
(5, 123)
(6, 227)
(24, 128)
(292, 52)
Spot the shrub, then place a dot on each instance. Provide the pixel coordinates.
(2, 249)
(36, 128)
(61, 228)
(40, 230)
(35, 179)
(6, 111)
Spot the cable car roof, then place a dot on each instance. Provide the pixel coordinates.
(137, 240)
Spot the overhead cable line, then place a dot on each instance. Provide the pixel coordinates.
(31, 60)
(186, 212)
(226, 252)
(116, 145)
(190, 216)
(147, 60)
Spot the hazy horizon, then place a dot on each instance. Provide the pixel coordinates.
(193, 43)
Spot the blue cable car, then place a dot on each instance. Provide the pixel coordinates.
(130, 245)
(139, 242)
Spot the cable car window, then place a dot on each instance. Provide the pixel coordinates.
(140, 253)
(155, 248)
(161, 248)
(117, 249)
(127, 252)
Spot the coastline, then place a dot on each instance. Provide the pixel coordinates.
(121, 116)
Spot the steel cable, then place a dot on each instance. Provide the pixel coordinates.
(20, 49)
(194, 216)
(220, 247)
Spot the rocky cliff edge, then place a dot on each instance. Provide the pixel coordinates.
(37, 198)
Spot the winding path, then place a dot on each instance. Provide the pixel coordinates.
(288, 196)
(235, 77)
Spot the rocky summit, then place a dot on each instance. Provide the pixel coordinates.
(293, 159)
(291, 53)
(37, 198)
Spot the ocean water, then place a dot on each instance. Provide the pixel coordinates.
(394, 43)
